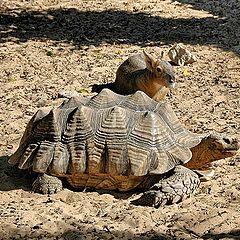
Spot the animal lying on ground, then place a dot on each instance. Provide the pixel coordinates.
(118, 142)
(143, 72)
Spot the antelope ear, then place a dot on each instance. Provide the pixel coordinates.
(150, 61)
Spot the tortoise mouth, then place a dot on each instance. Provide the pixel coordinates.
(230, 151)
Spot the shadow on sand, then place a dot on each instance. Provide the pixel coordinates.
(110, 26)
(12, 178)
(109, 233)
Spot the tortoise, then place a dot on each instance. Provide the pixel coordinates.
(117, 142)
(142, 72)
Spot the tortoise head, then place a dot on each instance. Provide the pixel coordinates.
(212, 148)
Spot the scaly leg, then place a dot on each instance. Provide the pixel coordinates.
(178, 185)
(47, 184)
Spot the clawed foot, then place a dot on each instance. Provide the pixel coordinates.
(152, 199)
(173, 189)
(47, 184)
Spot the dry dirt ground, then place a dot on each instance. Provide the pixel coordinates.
(50, 45)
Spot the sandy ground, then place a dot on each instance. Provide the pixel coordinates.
(50, 45)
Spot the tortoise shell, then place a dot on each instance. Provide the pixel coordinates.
(108, 141)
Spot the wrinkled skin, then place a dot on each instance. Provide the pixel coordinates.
(212, 148)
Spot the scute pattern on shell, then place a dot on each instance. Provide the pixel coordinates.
(107, 135)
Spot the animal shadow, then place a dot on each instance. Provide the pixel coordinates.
(12, 178)
(99, 87)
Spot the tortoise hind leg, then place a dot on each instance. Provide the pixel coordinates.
(179, 184)
(47, 184)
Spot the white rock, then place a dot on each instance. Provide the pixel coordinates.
(180, 55)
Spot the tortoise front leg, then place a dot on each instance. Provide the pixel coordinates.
(176, 186)
(47, 184)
